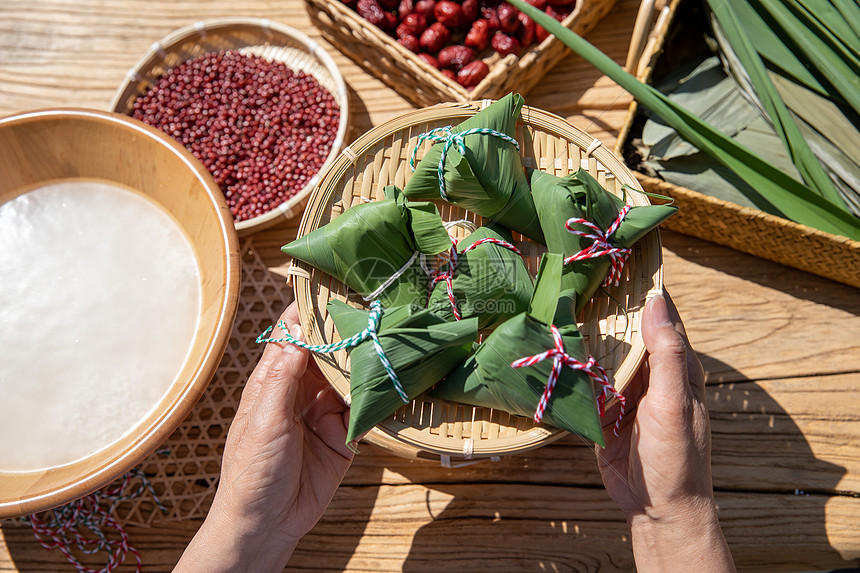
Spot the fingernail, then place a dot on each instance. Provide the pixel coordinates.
(295, 332)
(659, 311)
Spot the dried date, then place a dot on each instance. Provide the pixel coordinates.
(429, 59)
(508, 21)
(409, 42)
(526, 33)
(478, 37)
(505, 44)
(405, 8)
(425, 8)
(371, 11)
(471, 11)
(472, 73)
(449, 13)
(435, 37)
(413, 24)
(455, 57)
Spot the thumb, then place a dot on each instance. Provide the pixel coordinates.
(667, 353)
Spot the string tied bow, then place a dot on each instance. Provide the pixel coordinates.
(449, 138)
(453, 258)
(560, 358)
(601, 246)
(370, 332)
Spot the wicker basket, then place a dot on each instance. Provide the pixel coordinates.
(424, 85)
(741, 228)
(252, 36)
(435, 429)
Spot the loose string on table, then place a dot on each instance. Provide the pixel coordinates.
(82, 524)
(601, 246)
(372, 332)
(560, 358)
(453, 258)
(449, 138)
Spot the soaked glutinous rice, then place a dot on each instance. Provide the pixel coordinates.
(99, 302)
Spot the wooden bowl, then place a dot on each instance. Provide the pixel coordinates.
(51, 145)
(436, 429)
(270, 40)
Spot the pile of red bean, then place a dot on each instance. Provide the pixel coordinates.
(452, 35)
(261, 129)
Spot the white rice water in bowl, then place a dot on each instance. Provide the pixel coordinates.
(99, 305)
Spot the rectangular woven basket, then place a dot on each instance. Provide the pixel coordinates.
(741, 228)
(424, 85)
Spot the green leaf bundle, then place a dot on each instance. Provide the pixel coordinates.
(488, 179)
(489, 282)
(487, 378)
(580, 195)
(369, 244)
(421, 347)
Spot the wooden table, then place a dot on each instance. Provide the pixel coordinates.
(781, 349)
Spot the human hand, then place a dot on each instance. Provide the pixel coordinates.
(284, 458)
(658, 469)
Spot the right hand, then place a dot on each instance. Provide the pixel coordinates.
(658, 470)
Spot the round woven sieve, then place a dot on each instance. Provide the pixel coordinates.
(250, 36)
(432, 428)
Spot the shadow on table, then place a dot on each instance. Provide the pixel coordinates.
(770, 488)
(793, 282)
(332, 543)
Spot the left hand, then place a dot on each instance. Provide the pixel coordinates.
(284, 458)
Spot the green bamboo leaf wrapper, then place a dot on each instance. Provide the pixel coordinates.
(421, 346)
(488, 380)
(557, 199)
(490, 282)
(489, 180)
(369, 243)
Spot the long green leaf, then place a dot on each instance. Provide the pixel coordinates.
(837, 63)
(849, 11)
(838, 18)
(777, 53)
(802, 157)
(795, 200)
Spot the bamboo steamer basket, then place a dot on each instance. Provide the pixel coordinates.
(422, 84)
(251, 36)
(435, 429)
(40, 147)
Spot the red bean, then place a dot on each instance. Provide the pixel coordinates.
(261, 129)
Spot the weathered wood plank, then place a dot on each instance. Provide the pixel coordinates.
(510, 527)
(753, 319)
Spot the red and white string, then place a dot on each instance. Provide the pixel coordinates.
(82, 526)
(453, 258)
(560, 359)
(601, 246)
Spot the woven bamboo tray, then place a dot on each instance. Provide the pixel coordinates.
(435, 429)
(422, 84)
(741, 228)
(260, 37)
